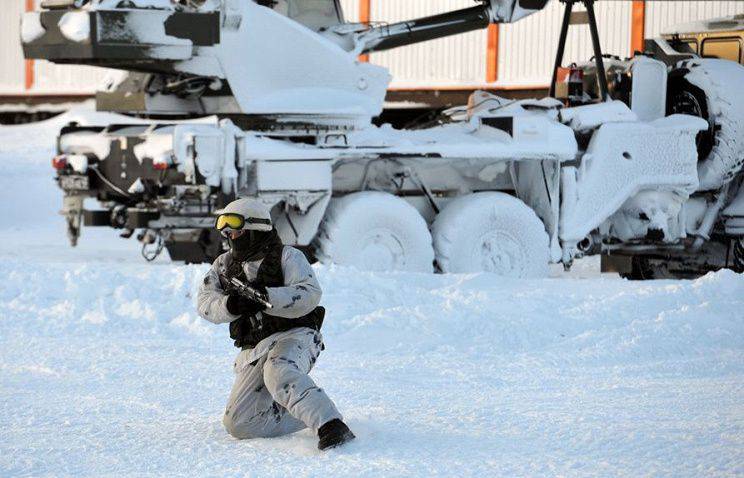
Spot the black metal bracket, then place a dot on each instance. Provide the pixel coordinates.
(602, 78)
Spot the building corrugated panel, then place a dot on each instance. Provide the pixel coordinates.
(50, 79)
(12, 71)
(662, 15)
(351, 10)
(47, 78)
(527, 48)
(455, 61)
(66, 79)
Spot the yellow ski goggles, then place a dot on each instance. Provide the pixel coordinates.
(233, 221)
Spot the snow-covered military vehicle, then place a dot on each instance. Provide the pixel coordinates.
(703, 80)
(639, 160)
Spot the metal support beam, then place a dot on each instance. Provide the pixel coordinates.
(602, 78)
(597, 50)
(561, 45)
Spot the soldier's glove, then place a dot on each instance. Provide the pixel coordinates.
(239, 305)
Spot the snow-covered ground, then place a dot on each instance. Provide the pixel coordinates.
(105, 369)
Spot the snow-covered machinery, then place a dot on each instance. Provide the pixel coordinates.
(670, 78)
(497, 185)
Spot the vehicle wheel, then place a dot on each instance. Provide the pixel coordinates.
(491, 232)
(709, 89)
(375, 231)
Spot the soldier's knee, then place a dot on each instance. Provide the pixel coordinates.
(232, 426)
(242, 429)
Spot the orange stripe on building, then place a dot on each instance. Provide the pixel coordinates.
(637, 26)
(492, 54)
(365, 16)
(29, 74)
(29, 64)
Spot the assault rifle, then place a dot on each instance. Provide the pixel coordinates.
(250, 293)
(253, 294)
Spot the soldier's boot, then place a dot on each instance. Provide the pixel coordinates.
(334, 433)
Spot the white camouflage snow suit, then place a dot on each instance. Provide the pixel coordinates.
(272, 394)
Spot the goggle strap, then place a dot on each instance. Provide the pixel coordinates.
(258, 220)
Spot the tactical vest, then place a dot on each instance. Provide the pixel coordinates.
(269, 274)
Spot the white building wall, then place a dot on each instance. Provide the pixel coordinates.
(49, 79)
(12, 69)
(661, 15)
(455, 61)
(527, 48)
(66, 79)
(351, 10)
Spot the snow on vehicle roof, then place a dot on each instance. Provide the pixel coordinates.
(721, 24)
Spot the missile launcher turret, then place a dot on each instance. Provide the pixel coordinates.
(291, 58)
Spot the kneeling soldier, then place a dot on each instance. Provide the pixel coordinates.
(275, 321)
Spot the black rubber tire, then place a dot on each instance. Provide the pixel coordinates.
(686, 98)
(709, 88)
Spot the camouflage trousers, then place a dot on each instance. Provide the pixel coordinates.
(273, 394)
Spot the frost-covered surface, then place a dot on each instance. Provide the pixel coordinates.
(31, 27)
(491, 231)
(106, 370)
(534, 137)
(275, 79)
(588, 117)
(75, 26)
(375, 231)
(623, 159)
(721, 81)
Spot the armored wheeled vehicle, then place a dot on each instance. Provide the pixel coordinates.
(637, 159)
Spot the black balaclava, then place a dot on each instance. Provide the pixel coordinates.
(253, 245)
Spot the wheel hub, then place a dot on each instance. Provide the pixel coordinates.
(686, 103)
(381, 250)
(500, 254)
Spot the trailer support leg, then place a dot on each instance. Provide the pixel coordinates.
(597, 49)
(561, 45)
(602, 77)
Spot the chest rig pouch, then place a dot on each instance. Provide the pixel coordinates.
(269, 274)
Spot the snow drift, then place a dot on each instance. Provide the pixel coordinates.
(105, 368)
(108, 369)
